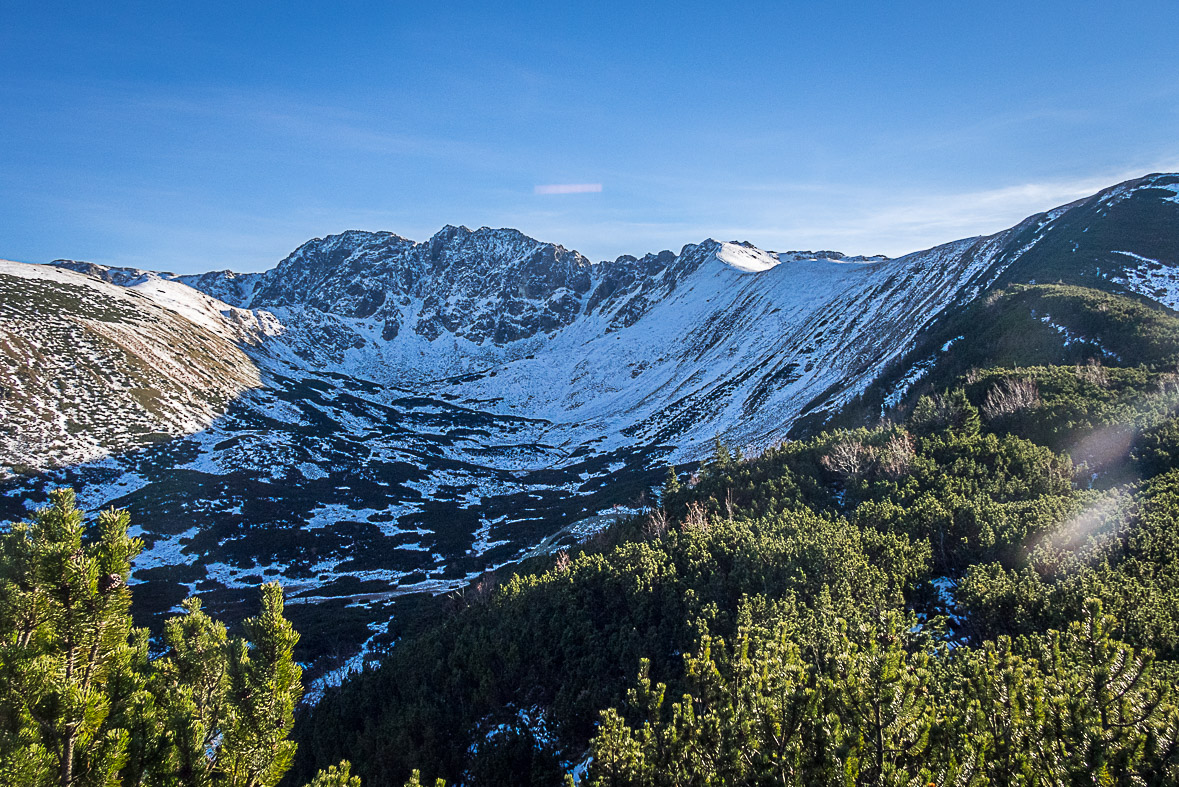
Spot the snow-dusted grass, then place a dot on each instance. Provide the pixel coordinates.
(88, 368)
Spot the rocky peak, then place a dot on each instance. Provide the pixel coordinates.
(323, 270)
(484, 284)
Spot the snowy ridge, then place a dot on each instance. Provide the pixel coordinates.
(242, 326)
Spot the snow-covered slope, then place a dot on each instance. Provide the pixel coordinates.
(242, 326)
(669, 349)
(88, 368)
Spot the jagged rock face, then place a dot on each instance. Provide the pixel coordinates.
(336, 274)
(498, 285)
(629, 287)
(484, 286)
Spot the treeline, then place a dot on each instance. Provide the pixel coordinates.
(1023, 326)
(986, 592)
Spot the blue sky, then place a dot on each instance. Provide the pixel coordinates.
(196, 136)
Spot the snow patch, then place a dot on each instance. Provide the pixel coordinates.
(1154, 279)
(746, 259)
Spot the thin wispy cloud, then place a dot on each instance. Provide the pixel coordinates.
(568, 188)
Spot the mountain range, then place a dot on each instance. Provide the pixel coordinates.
(376, 417)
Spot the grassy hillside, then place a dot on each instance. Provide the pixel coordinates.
(88, 369)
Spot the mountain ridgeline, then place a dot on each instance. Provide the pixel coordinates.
(486, 286)
(709, 340)
(983, 446)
